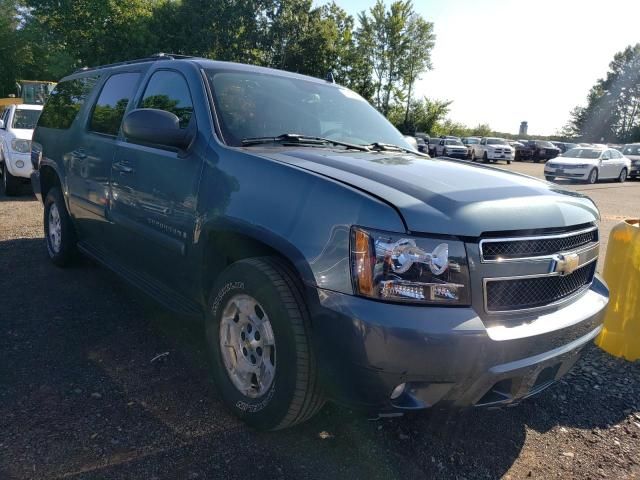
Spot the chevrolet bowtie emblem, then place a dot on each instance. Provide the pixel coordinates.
(564, 264)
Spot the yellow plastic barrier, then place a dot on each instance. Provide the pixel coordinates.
(621, 333)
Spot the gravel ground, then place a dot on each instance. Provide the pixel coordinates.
(96, 381)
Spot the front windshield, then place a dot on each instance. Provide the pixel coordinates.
(26, 119)
(545, 144)
(631, 150)
(582, 153)
(251, 105)
(496, 141)
(454, 142)
(472, 141)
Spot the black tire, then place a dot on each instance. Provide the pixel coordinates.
(623, 175)
(10, 184)
(473, 155)
(295, 394)
(508, 162)
(485, 158)
(63, 254)
(549, 178)
(591, 179)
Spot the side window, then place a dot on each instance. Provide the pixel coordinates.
(169, 91)
(65, 102)
(606, 155)
(111, 104)
(616, 154)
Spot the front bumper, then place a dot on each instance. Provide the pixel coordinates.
(499, 156)
(445, 356)
(567, 172)
(635, 171)
(14, 159)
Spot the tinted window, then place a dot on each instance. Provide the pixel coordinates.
(26, 119)
(112, 103)
(169, 91)
(65, 102)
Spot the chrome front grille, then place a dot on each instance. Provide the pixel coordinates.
(534, 272)
(536, 291)
(498, 250)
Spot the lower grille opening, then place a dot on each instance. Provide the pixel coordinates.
(499, 393)
(523, 293)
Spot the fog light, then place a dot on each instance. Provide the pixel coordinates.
(19, 163)
(398, 391)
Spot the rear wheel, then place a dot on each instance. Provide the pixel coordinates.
(258, 334)
(623, 175)
(59, 232)
(593, 176)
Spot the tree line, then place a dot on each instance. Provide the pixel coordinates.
(380, 54)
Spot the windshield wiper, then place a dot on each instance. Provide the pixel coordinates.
(390, 147)
(296, 138)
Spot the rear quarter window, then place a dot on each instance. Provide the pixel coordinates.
(65, 102)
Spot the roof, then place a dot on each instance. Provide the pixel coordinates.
(201, 62)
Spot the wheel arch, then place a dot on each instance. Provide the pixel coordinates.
(222, 246)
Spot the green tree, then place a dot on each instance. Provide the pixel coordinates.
(612, 112)
(421, 41)
(10, 46)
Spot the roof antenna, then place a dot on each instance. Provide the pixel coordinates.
(330, 77)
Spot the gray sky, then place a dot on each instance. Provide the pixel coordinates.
(503, 61)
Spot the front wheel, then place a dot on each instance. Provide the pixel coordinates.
(473, 155)
(549, 178)
(508, 162)
(623, 175)
(485, 157)
(593, 176)
(10, 183)
(59, 232)
(258, 334)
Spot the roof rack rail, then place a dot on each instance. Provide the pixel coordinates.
(150, 58)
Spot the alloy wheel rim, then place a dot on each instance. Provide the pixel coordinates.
(593, 177)
(247, 345)
(55, 228)
(623, 175)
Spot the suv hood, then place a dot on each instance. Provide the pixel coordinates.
(442, 196)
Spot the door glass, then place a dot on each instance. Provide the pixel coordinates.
(168, 91)
(65, 102)
(109, 109)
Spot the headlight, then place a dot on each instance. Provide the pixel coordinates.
(396, 267)
(581, 165)
(21, 146)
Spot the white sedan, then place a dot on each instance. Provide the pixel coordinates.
(16, 129)
(589, 164)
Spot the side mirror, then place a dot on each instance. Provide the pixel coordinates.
(1, 124)
(150, 125)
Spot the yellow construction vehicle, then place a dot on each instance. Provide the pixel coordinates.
(33, 92)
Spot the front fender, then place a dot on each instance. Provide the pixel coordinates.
(304, 216)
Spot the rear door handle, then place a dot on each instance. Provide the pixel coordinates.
(122, 168)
